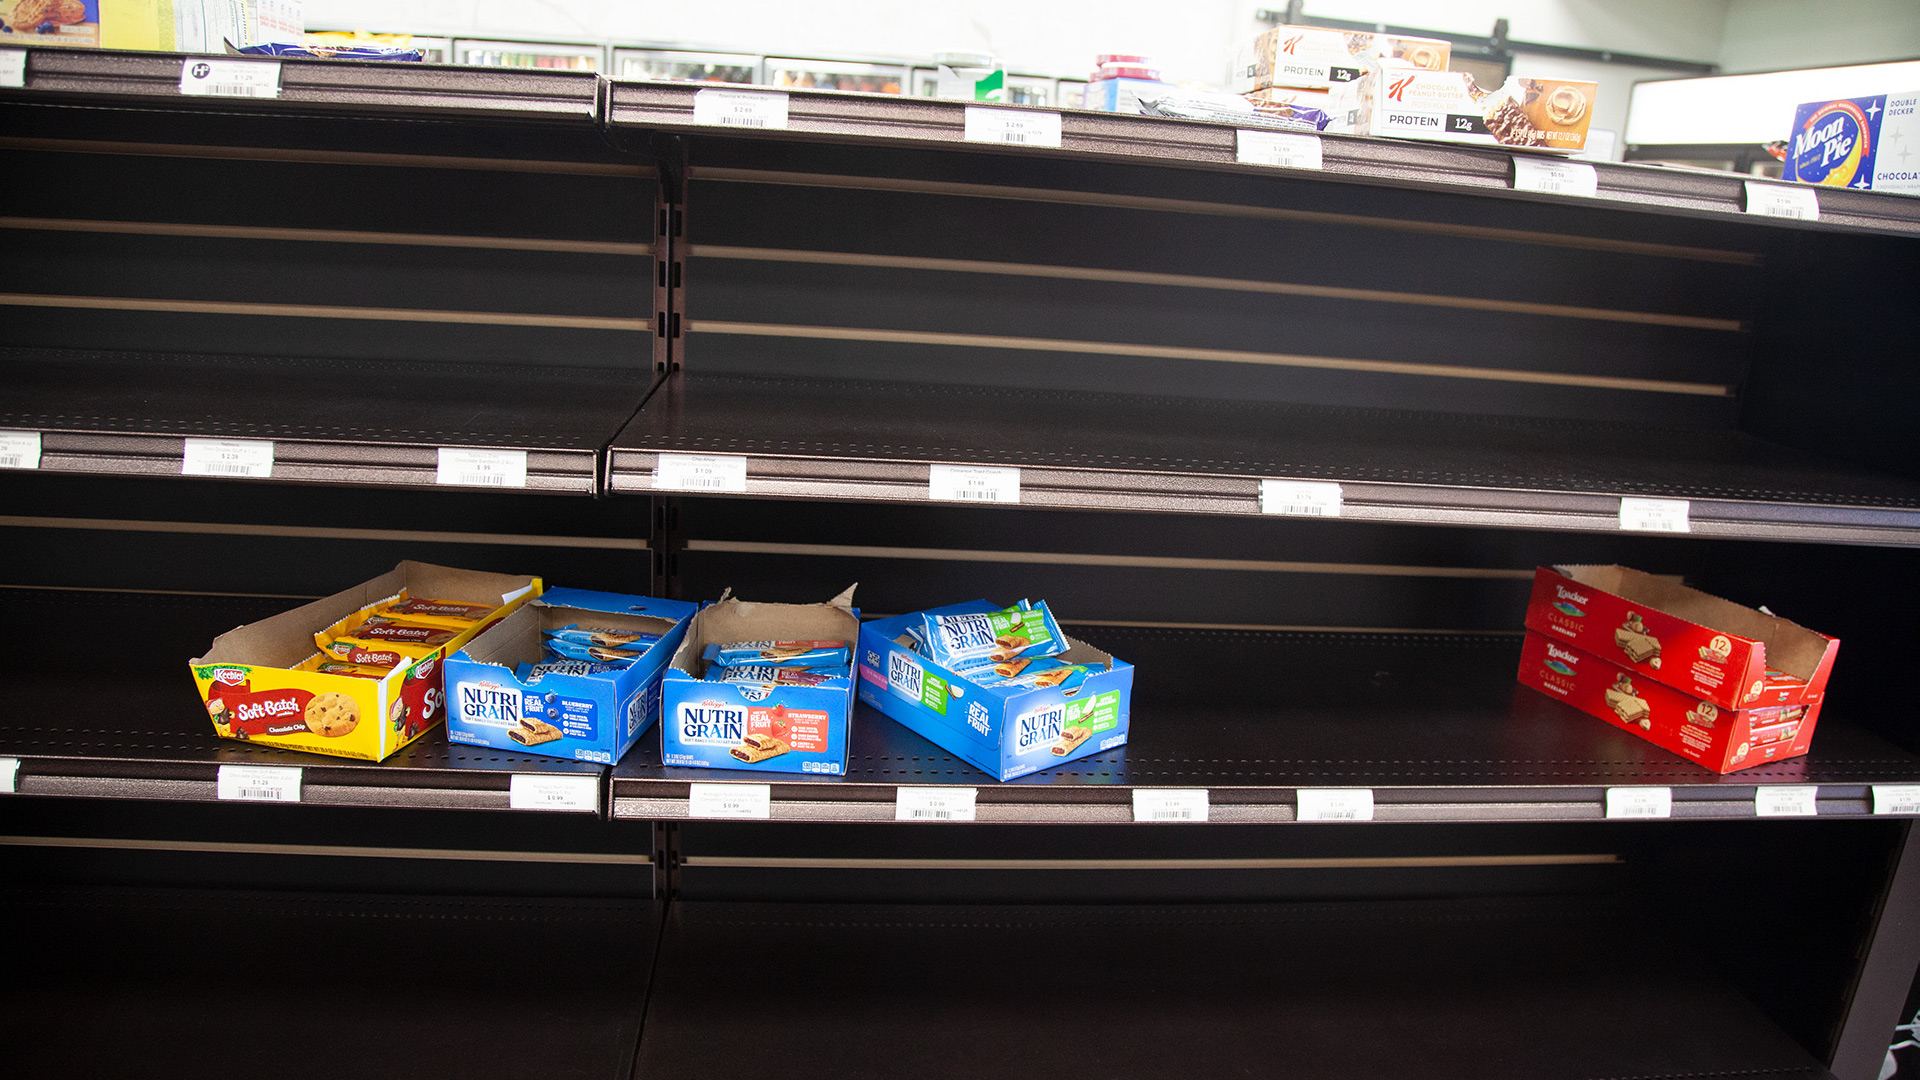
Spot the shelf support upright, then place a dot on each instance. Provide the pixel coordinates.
(669, 301)
(1889, 955)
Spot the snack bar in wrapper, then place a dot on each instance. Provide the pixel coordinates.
(803, 654)
(971, 639)
(605, 637)
(1030, 673)
(425, 611)
(568, 649)
(771, 675)
(383, 642)
(529, 672)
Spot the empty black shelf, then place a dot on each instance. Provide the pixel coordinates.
(358, 422)
(1184, 455)
(1483, 987)
(1434, 724)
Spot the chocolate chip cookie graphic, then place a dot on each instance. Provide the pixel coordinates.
(332, 715)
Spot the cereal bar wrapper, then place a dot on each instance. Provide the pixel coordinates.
(384, 642)
(1029, 674)
(605, 637)
(771, 675)
(425, 611)
(568, 649)
(799, 654)
(531, 672)
(327, 665)
(972, 639)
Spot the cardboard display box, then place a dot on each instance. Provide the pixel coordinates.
(1312, 58)
(585, 717)
(1004, 731)
(1724, 740)
(1712, 649)
(760, 728)
(252, 692)
(1396, 100)
(1857, 143)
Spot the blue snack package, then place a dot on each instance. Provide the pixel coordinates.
(330, 52)
(771, 675)
(1030, 674)
(529, 672)
(605, 637)
(970, 639)
(566, 649)
(802, 654)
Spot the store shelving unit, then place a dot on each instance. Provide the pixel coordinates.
(389, 260)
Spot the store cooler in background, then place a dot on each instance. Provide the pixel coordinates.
(530, 54)
(668, 65)
(791, 73)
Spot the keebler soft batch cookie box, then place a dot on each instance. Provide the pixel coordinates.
(587, 712)
(760, 727)
(1005, 731)
(253, 692)
(1712, 649)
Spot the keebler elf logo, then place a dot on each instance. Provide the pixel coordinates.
(1830, 147)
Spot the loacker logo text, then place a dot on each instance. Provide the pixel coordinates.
(1568, 594)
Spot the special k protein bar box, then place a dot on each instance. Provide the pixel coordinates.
(763, 714)
(1711, 649)
(1402, 101)
(1724, 740)
(357, 674)
(1311, 58)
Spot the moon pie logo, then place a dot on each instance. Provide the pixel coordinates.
(1832, 145)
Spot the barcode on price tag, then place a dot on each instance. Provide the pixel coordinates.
(229, 78)
(730, 801)
(1555, 177)
(974, 484)
(1781, 200)
(1170, 804)
(1333, 804)
(482, 468)
(9, 775)
(1303, 498)
(700, 472)
(1786, 800)
(19, 449)
(13, 67)
(1896, 799)
(1279, 149)
(258, 783)
(740, 108)
(1639, 802)
(1016, 126)
(527, 791)
(251, 458)
(1655, 515)
(934, 803)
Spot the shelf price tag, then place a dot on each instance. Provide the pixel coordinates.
(1016, 127)
(13, 67)
(1639, 802)
(481, 468)
(741, 109)
(1896, 799)
(19, 449)
(1170, 804)
(730, 801)
(258, 783)
(9, 775)
(201, 77)
(245, 458)
(1655, 515)
(934, 803)
(529, 791)
(1333, 804)
(1280, 149)
(1786, 800)
(1300, 498)
(700, 472)
(1782, 201)
(1555, 177)
(973, 484)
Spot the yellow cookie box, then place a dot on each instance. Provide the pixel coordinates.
(259, 685)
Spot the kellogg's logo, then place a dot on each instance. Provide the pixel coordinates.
(1288, 45)
(1717, 650)
(1397, 89)
(711, 723)
(1833, 144)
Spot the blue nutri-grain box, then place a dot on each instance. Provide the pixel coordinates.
(759, 727)
(585, 715)
(1869, 142)
(1007, 731)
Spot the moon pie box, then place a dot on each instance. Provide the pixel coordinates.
(584, 710)
(757, 720)
(268, 682)
(1869, 143)
(1715, 650)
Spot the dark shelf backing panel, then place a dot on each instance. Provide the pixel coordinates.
(1182, 455)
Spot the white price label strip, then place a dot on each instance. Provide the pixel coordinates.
(19, 449)
(1555, 177)
(482, 468)
(526, 791)
(1896, 799)
(1016, 127)
(1782, 200)
(246, 458)
(1333, 804)
(1170, 804)
(13, 67)
(1655, 515)
(730, 801)
(1300, 498)
(973, 484)
(934, 803)
(1279, 149)
(1639, 802)
(700, 472)
(741, 109)
(258, 783)
(201, 77)
(9, 775)
(1780, 800)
